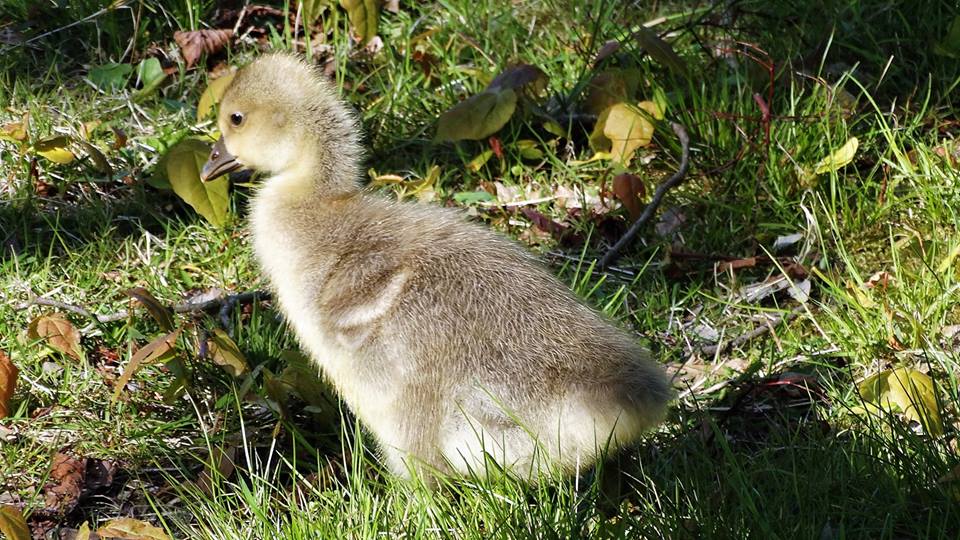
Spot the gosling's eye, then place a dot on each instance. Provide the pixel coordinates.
(236, 119)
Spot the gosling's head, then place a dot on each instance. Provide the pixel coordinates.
(282, 117)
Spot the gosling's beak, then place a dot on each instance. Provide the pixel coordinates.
(219, 163)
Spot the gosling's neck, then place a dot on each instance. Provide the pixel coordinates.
(319, 173)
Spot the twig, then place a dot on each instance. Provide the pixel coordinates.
(614, 253)
(225, 304)
(760, 330)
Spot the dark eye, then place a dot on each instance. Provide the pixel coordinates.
(236, 119)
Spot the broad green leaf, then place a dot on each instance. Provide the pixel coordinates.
(160, 313)
(110, 76)
(12, 524)
(839, 158)
(364, 17)
(213, 94)
(8, 382)
(131, 529)
(477, 117)
(950, 44)
(908, 391)
(183, 163)
(660, 50)
(225, 352)
(56, 332)
(161, 349)
(151, 76)
(311, 11)
(55, 149)
(529, 149)
(518, 76)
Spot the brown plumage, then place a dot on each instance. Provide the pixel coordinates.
(446, 339)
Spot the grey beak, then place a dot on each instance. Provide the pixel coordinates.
(219, 163)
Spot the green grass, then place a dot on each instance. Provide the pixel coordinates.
(746, 451)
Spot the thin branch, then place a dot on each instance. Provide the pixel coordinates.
(758, 331)
(614, 254)
(224, 304)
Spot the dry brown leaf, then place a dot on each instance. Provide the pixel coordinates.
(162, 348)
(131, 529)
(67, 478)
(8, 382)
(160, 313)
(57, 332)
(194, 43)
(630, 190)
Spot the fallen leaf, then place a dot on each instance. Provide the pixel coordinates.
(110, 77)
(8, 382)
(630, 190)
(160, 313)
(477, 117)
(210, 199)
(785, 241)
(905, 390)
(364, 17)
(213, 94)
(161, 349)
(224, 352)
(610, 87)
(529, 149)
(196, 42)
(660, 50)
(516, 77)
(880, 280)
(621, 129)
(131, 529)
(58, 333)
(312, 9)
(16, 131)
(66, 483)
(220, 467)
(12, 524)
(120, 138)
(302, 377)
(839, 158)
(55, 149)
(606, 50)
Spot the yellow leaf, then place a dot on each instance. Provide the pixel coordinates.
(948, 261)
(621, 129)
(905, 390)
(12, 524)
(83, 533)
(213, 94)
(131, 529)
(8, 382)
(838, 158)
(57, 332)
(55, 149)
(16, 131)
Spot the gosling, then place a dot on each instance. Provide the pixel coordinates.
(449, 342)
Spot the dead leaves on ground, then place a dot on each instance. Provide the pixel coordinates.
(55, 331)
(8, 383)
(906, 391)
(194, 43)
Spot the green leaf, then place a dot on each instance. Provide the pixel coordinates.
(908, 391)
(472, 197)
(183, 163)
(950, 44)
(364, 17)
(213, 94)
(160, 313)
(110, 76)
(151, 76)
(12, 524)
(312, 9)
(477, 117)
(660, 50)
(225, 353)
(839, 158)
(55, 149)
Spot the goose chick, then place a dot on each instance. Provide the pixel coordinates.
(448, 341)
